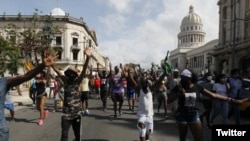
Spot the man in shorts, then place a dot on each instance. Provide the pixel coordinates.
(117, 90)
(9, 105)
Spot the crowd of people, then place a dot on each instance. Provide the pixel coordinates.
(177, 91)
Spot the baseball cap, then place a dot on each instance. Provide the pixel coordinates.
(186, 73)
(71, 70)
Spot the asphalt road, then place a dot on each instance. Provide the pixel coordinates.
(98, 126)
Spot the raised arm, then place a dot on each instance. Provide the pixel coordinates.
(98, 71)
(122, 69)
(58, 72)
(159, 81)
(47, 60)
(90, 71)
(87, 52)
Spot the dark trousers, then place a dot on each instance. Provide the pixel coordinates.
(76, 125)
(32, 95)
(104, 95)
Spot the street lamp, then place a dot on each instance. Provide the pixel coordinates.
(209, 59)
(234, 36)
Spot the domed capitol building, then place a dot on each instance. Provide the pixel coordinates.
(191, 45)
(231, 50)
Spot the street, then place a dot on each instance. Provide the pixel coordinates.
(98, 126)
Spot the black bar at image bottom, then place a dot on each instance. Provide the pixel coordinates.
(239, 132)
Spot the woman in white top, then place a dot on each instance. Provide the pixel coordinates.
(145, 107)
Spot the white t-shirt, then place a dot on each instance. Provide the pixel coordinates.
(145, 104)
(85, 84)
(8, 98)
(52, 83)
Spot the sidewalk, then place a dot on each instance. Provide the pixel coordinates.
(21, 99)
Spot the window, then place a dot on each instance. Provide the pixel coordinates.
(59, 55)
(75, 54)
(224, 13)
(74, 41)
(58, 40)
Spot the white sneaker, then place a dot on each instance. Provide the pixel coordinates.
(87, 112)
(83, 113)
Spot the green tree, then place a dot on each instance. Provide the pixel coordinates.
(8, 54)
(30, 42)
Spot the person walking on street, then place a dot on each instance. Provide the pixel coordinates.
(8, 82)
(72, 105)
(207, 101)
(9, 105)
(220, 87)
(19, 90)
(32, 91)
(97, 82)
(235, 85)
(162, 98)
(187, 115)
(85, 90)
(104, 86)
(173, 80)
(52, 87)
(145, 111)
(131, 86)
(58, 93)
(117, 89)
(41, 96)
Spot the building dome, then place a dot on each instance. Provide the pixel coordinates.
(57, 12)
(191, 18)
(191, 34)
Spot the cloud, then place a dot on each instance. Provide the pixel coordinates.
(121, 6)
(153, 31)
(114, 23)
(138, 31)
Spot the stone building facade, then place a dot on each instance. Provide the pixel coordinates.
(74, 35)
(233, 50)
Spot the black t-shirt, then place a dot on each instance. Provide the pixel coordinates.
(104, 82)
(40, 88)
(130, 83)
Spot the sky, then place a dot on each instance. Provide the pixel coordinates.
(128, 31)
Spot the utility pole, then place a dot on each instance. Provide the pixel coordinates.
(234, 37)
